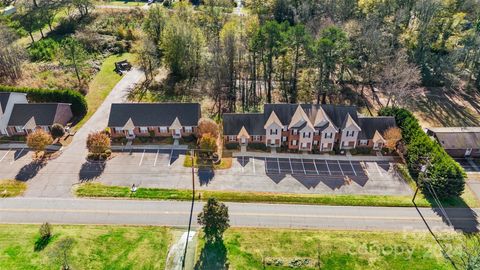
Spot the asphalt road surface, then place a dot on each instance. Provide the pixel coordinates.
(173, 213)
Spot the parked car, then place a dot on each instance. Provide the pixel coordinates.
(122, 66)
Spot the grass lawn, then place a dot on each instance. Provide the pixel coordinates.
(11, 188)
(103, 83)
(95, 247)
(98, 190)
(280, 248)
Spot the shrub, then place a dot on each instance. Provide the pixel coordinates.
(45, 236)
(39, 140)
(98, 143)
(257, 146)
(43, 50)
(79, 104)
(444, 174)
(57, 131)
(232, 146)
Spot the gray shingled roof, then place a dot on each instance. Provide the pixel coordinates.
(458, 137)
(336, 113)
(44, 113)
(370, 124)
(253, 123)
(154, 114)
(4, 97)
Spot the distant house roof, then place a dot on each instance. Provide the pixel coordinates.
(253, 123)
(44, 114)
(154, 114)
(371, 124)
(457, 137)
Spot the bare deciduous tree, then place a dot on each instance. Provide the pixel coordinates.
(11, 56)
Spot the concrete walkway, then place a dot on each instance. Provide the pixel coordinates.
(58, 176)
(313, 156)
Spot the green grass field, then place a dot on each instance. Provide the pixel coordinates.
(11, 188)
(103, 83)
(248, 249)
(95, 247)
(99, 190)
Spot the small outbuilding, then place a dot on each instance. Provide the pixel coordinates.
(458, 142)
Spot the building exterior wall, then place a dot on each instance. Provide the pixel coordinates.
(350, 141)
(156, 131)
(460, 153)
(275, 138)
(64, 115)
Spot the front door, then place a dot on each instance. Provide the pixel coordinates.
(244, 141)
(468, 152)
(130, 132)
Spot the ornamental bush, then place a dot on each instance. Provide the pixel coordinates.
(39, 95)
(444, 175)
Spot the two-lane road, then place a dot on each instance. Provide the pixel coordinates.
(173, 213)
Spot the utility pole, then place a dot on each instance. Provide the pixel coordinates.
(192, 156)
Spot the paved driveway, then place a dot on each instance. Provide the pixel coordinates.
(58, 176)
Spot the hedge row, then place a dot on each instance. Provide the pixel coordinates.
(444, 174)
(38, 95)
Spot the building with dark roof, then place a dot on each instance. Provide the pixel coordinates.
(7, 101)
(28, 117)
(154, 119)
(307, 127)
(458, 141)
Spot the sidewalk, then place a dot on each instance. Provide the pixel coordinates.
(11, 146)
(313, 156)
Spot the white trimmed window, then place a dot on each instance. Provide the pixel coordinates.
(294, 142)
(118, 129)
(19, 129)
(284, 138)
(306, 135)
(163, 130)
(317, 131)
(363, 142)
(232, 138)
(188, 129)
(143, 129)
(294, 131)
(315, 142)
(285, 128)
(328, 135)
(273, 131)
(256, 138)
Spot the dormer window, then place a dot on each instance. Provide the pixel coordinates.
(294, 131)
(306, 135)
(317, 132)
(328, 135)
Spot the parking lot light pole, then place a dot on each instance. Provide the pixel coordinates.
(192, 156)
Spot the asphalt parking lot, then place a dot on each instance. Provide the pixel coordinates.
(470, 165)
(14, 163)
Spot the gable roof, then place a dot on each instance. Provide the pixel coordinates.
(243, 133)
(4, 97)
(349, 122)
(336, 113)
(273, 119)
(45, 114)
(458, 137)
(253, 123)
(370, 125)
(299, 119)
(378, 137)
(154, 114)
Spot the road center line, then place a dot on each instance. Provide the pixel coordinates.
(5, 155)
(141, 159)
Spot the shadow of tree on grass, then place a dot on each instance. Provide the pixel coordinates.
(213, 256)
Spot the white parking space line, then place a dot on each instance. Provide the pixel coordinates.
(253, 162)
(314, 164)
(303, 166)
(378, 169)
(17, 155)
(156, 157)
(170, 160)
(329, 172)
(340, 166)
(364, 167)
(355, 172)
(243, 164)
(5, 155)
(141, 159)
(291, 167)
(278, 163)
